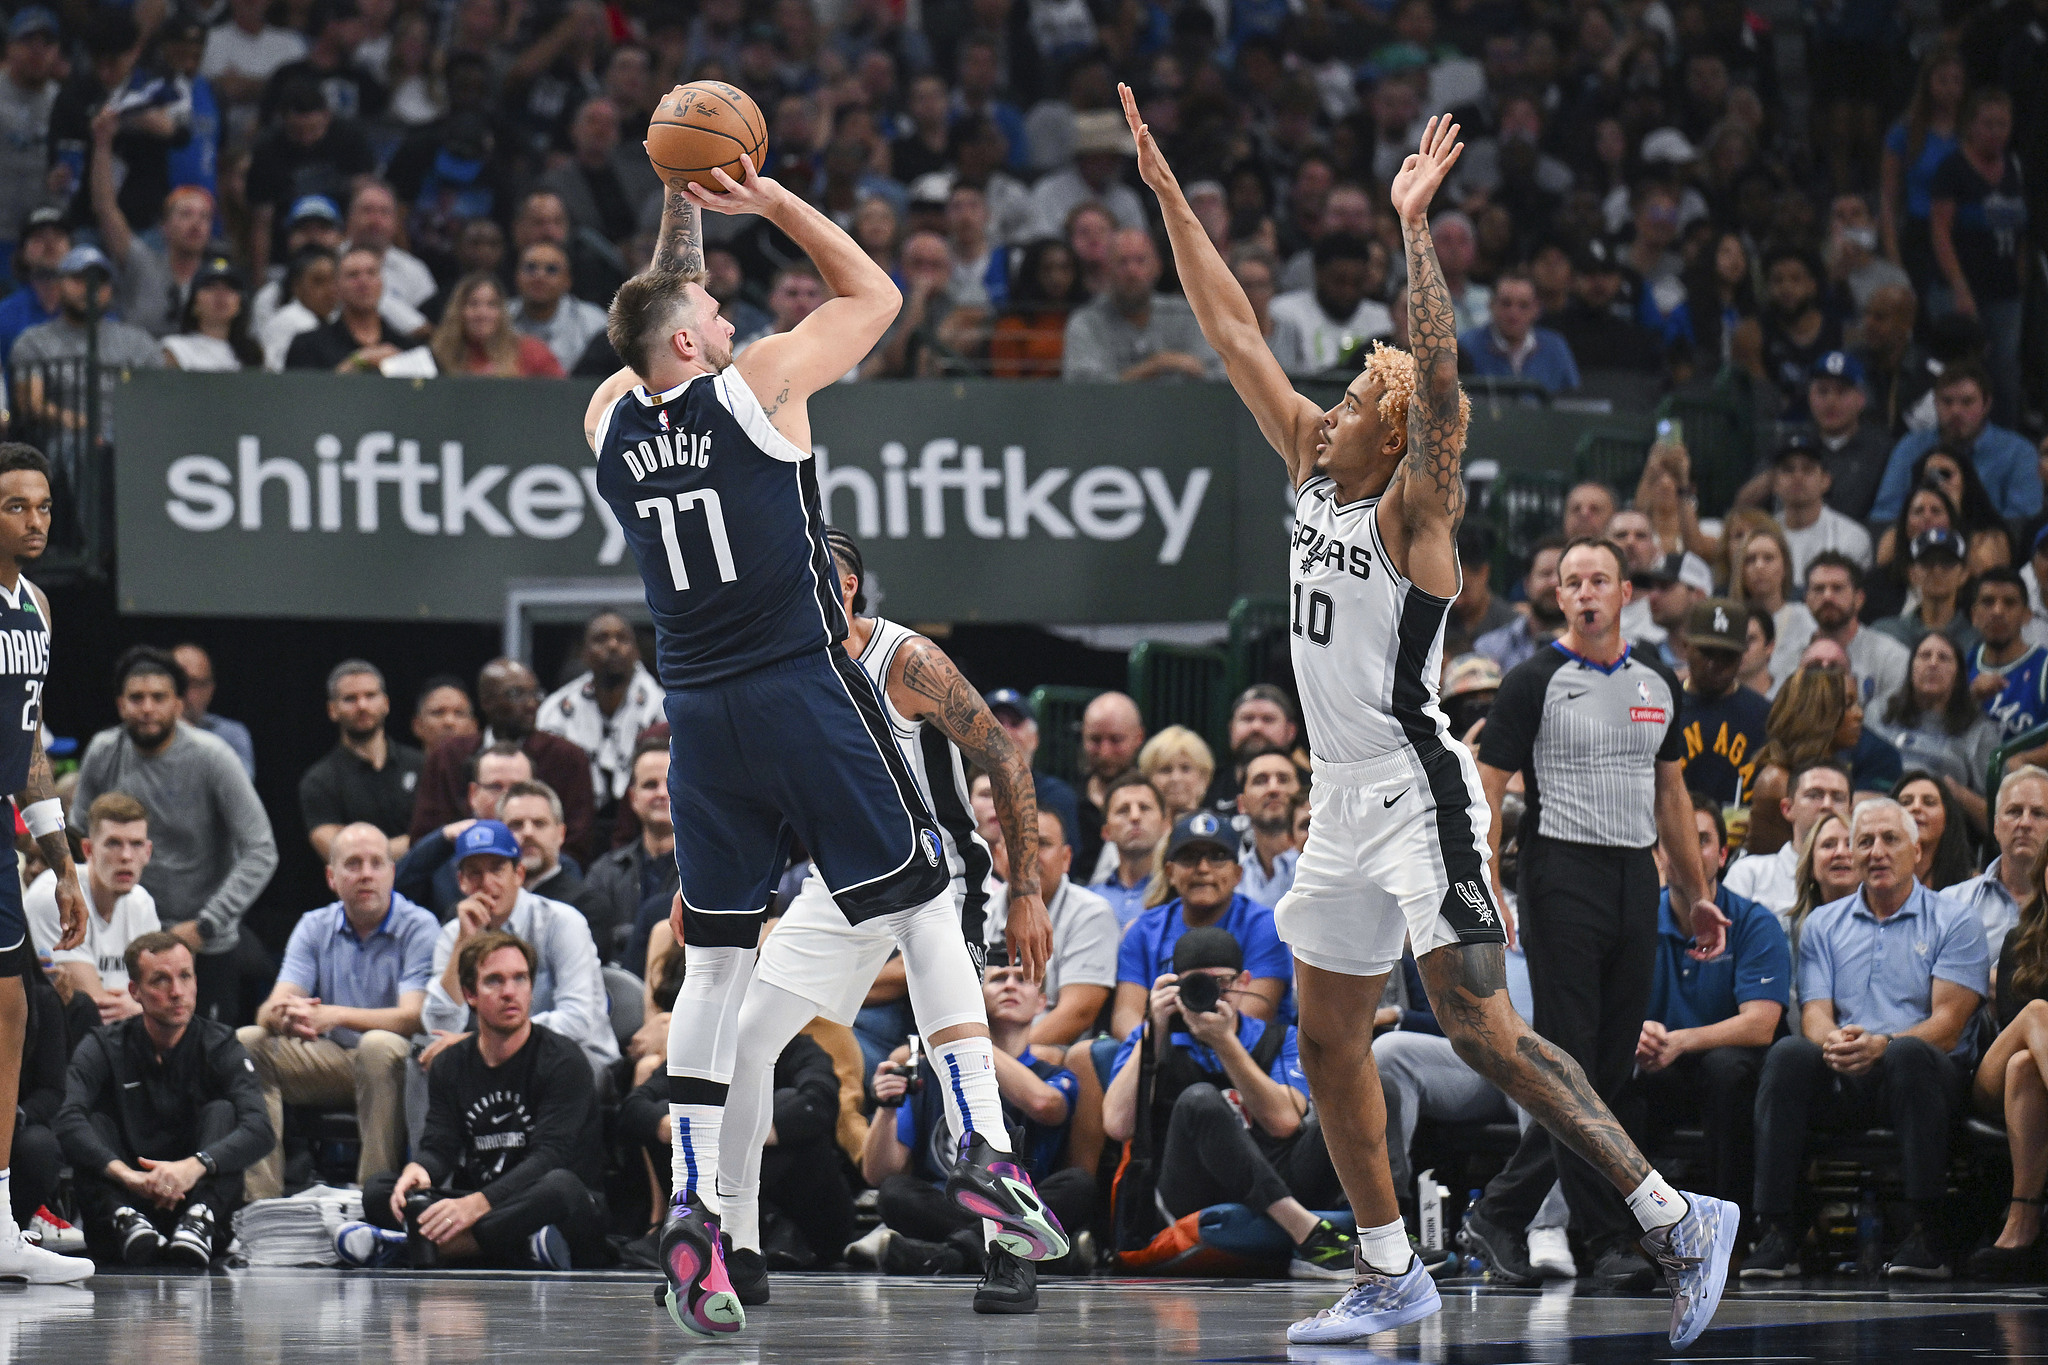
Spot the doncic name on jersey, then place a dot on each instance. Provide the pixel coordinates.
(687, 449)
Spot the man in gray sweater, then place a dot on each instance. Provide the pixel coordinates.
(214, 850)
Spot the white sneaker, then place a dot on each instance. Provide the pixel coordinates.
(867, 1253)
(1550, 1254)
(20, 1261)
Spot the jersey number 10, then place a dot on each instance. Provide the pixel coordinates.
(666, 510)
(1315, 624)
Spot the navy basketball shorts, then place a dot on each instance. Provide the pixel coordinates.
(799, 751)
(13, 919)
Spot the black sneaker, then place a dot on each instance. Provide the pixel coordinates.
(1776, 1257)
(913, 1256)
(137, 1237)
(1325, 1255)
(2008, 1265)
(191, 1243)
(1009, 1285)
(1622, 1269)
(1916, 1259)
(748, 1273)
(1504, 1253)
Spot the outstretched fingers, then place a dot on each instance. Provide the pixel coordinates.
(1130, 110)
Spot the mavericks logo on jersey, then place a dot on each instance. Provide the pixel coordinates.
(25, 651)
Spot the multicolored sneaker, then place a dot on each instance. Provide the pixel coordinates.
(368, 1248)
(1376, 1302)
(699, 1296)
(52, 1233)
(1326, 1255)
(1693, 1254)
(987, 1184)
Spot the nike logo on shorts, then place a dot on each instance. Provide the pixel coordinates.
(1389, 804)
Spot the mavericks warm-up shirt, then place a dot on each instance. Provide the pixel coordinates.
(499, 1129)
(1587, 739)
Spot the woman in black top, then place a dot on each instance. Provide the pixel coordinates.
(2010, 1085)
(1979, 225)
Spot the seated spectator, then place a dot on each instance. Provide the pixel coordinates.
(367, 777)
(508, 694)
(479, 249)
(475, 336)
(1132, 333)
(1272, 784)
(1724, 725)
(442, 711)
(1263, 719)
(427, 872)
(1937, 575)
(1082, 970)
(212, 333)
(1824, 874)
(44, 243)
(313, 223)
(1944, 856)
(1475, 611)
(2003, 458)
(114, 853)
(162, 1114)
(1935, 725)
(338, 1026)
(981, 265)
(373, 223)
(1801, 481)
(311, 286)
(1012, 710)
(2019, 826)
(308, 151)
(1816, 717)
(1512, 346)
(1543, 619)
(546, 310)
(36, 1168)
(2009, 1083)
(1330, 324)
(909, 1153)
(1794, 329)
(1203, 872)
(1265, 1149)
(1813, 789)
(641, 872)
(1598, 332)
(516, 1184)
(359, 339)
(48, 359)
(533, 813)
(1112, 732)
(1835, 599)
(1885, 1036)
(1101, 142)
(566, 991)
(1180, 765)
(794, 293)
(1856, 452)
(2008, 676)
(1756, 657)
(605, 180)
(1709, 1025)
(1134, 826)
(1030, 334)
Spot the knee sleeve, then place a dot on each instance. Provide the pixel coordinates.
(945, 989)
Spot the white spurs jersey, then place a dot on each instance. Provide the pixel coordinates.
(941, 775)
(1367, 644)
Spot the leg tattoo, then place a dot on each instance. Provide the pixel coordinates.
(1468, 989)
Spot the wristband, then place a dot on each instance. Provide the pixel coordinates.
(44, 817)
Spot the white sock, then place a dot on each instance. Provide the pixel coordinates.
(1655, 1204)
(1385, 1249)
(693, 1150)
(965, 1072)
(703, 1035)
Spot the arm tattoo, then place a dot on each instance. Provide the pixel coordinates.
(1468, 989)
(681, 244)
(41, 786)
(1432, 467)
(964, 718)
(776, 406)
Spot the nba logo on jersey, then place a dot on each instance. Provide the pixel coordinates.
(664, 419)
(932, 848)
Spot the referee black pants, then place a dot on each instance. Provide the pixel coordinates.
(1589, 929)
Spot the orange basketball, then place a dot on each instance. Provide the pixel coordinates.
(702, 127)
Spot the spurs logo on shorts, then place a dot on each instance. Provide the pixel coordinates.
(1475, 900)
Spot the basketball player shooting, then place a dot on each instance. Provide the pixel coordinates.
(1397, 844)
(706, 464)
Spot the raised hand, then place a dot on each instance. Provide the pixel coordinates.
(756, 194)
(1152, 167)
(1423, 173)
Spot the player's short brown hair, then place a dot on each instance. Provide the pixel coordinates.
(113, 808)
(160, 941)
(643, 309)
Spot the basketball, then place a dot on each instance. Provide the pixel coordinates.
(702, 127)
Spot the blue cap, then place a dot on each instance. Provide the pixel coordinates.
(486, 836)
(312, 206)
(80, 259)
(1939, 540)
(1203, 827)
(1010, 699)
(34, 19)
(1838, 365)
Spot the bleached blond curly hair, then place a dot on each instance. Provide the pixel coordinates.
(1395, 369)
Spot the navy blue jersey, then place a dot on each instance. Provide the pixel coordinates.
(723, 516)
(24, 664)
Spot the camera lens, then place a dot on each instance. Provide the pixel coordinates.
(1199, 992)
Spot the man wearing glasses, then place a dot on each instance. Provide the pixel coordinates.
(508, 695)
(546, 309)
(1202, 868)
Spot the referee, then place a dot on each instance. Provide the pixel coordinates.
(1593, 729)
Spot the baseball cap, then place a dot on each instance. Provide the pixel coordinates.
(1670, 146)
(1680, 566)
(1938, 541)
(217, 268)
(1718, 623)
(182, 27)
(1011, 700)
(1798, 443)
(80, 259)
(34, 19)
(1838, 365)
(486, 836)
(39, 219)
(1209, 946)
(1201, 828)
(1472, 673)
(312, 206)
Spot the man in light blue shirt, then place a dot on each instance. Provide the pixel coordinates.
(2005, 459)
(2019, 823)
(1888, 981)
(1512, 346)
(338, 1025)
(1272, 787)
(1133, 825)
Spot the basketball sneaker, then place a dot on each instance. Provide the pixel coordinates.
(987, 1184)
(747, 1270)
(699, 1296)
(191, 1241)
(368, 1248)
(136, 1236)
(52, 1233)
(19, 1260)
(1326, 1255)
(1008, 1285)
(1693, 1254)
(1376, 1302)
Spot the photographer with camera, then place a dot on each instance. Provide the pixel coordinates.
(910, 1151)
(1228, 1104)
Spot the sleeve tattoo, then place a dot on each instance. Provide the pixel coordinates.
(964, 718)
(41, 786)
(681, 245)
(1433, 466)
